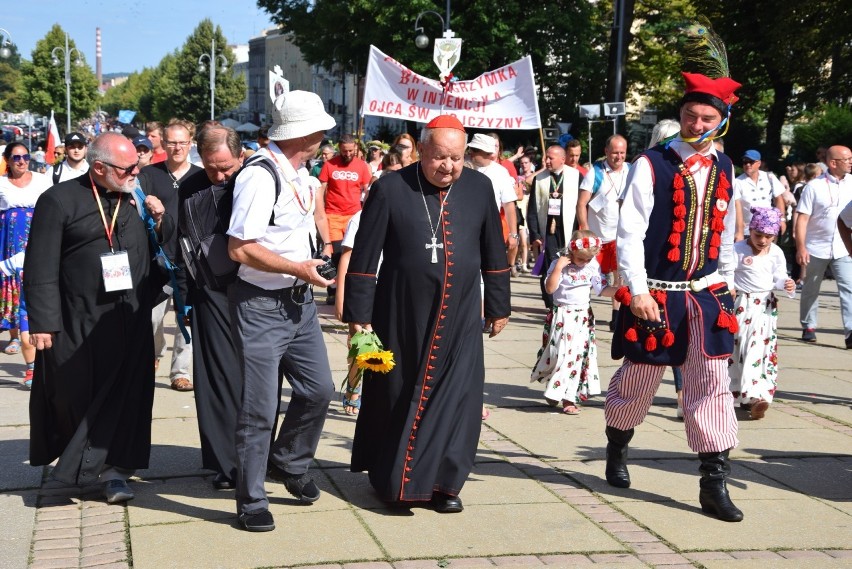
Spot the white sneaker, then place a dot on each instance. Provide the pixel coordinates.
(680, 413)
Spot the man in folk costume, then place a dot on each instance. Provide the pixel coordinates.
(678, 310)
(437, 226)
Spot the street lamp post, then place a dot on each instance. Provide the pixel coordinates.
(212, 59)
(5, 40)
(66, 54)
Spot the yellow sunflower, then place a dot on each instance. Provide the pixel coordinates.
(381, 362)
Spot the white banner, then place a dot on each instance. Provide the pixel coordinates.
(500, 99)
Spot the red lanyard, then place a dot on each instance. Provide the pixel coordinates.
(293, 187)
(111, 229)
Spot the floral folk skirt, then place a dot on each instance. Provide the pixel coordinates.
(754, 364)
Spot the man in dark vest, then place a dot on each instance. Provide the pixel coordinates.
(677, 309)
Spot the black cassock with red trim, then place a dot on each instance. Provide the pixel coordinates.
(419, 425)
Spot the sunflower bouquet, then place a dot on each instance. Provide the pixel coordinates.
(366, 352)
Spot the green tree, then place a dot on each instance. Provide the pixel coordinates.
(43, 84)
(826, 127)
(10, 77)
(134, 94)
(180, 90)
(565, 40)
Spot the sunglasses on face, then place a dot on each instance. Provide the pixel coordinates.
(20, 157)
(748, 162)
(124, 171)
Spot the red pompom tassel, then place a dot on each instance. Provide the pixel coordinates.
(723, 181)
(715, 240)
(721, 193)
(716, 224)
(679, 225)
(680, 211)
(650, 343)
(713, 252)
(674, 255)
(678, 182)
(631, 335)
(668, 339)
(674, 239)
(678, 196)
(724, 320)
(733, 326)
(623, 295)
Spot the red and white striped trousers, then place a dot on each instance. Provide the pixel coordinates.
(708, 407)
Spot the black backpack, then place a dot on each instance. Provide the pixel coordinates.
(204, 226)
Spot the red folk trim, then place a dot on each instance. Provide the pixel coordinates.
(426, 373)
(507, 269)
(373, 275)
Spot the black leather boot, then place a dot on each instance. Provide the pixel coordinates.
(714, 498)
(616, 457)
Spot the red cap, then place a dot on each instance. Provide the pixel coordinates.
(446, 121)
(722, 88)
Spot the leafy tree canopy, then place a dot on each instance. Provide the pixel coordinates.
(10, 76)
(43, 83)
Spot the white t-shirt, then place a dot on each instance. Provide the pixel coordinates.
(760, 194)
(759, 273)
(351, 231)
(504, 184)
(576, 283)
(13, 196)
(846, 215)
(822, 199)
(254, 193)
(603, 205)
(67, 172)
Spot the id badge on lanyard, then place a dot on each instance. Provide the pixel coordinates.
(115, 265)
(554, 206)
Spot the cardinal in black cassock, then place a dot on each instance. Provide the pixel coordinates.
(418, 428)
(93, 390)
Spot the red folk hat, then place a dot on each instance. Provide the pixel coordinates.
(722, 88)
(446, 121)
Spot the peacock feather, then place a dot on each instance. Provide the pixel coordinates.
(705, 49)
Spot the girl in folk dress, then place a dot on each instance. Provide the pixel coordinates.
(567, 360)
(761, 267)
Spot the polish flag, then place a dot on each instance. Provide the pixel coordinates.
(52, 141)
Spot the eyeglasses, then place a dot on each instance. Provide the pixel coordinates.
(20, 157)
(124, 171)
(748, 162)
(173, 143)
(142, 150)
(403, 146)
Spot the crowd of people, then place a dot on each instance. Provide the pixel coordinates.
(417, 241)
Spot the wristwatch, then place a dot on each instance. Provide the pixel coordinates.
(514, 236)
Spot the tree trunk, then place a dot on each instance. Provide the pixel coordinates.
(775, 120)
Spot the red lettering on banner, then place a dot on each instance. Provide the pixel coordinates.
(404, 77)
(412, 94)
(512, 72)
(430, 97)
(386, 107)
(422, 113)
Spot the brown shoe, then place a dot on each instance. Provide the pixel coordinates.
(182, 384)
(758, 409)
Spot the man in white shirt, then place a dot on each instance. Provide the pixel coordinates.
(597, 206)
(819, 243)
(758, 188)
(483, 149)
(677, 310)
(273, 315)
(74, 165)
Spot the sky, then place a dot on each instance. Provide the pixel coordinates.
(134, 33)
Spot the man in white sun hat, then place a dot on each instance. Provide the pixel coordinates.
(273, 316)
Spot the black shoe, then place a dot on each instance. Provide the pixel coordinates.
(300, 486)
(616, 457)
(446, 504)
(222, 482)
(849, 341)
(713, 497)
(258, 520)
(809, 335)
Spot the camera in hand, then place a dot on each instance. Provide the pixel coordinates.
(327, 270)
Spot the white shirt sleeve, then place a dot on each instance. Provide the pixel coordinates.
(806, 200)
(588, 182)
(507, 187)
(846, 215)
(633, 225)
(776, 185)
(254, 200)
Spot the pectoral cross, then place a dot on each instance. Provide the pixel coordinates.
(435, 246)
(175, 185)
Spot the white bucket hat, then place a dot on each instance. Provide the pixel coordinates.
(483, 142)
(298, 113)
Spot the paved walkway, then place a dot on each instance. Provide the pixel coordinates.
(536, 496)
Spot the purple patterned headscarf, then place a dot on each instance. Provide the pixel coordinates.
(765, 220)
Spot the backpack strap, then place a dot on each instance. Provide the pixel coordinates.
(266, 164)
(150, 225)
(57, 172)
